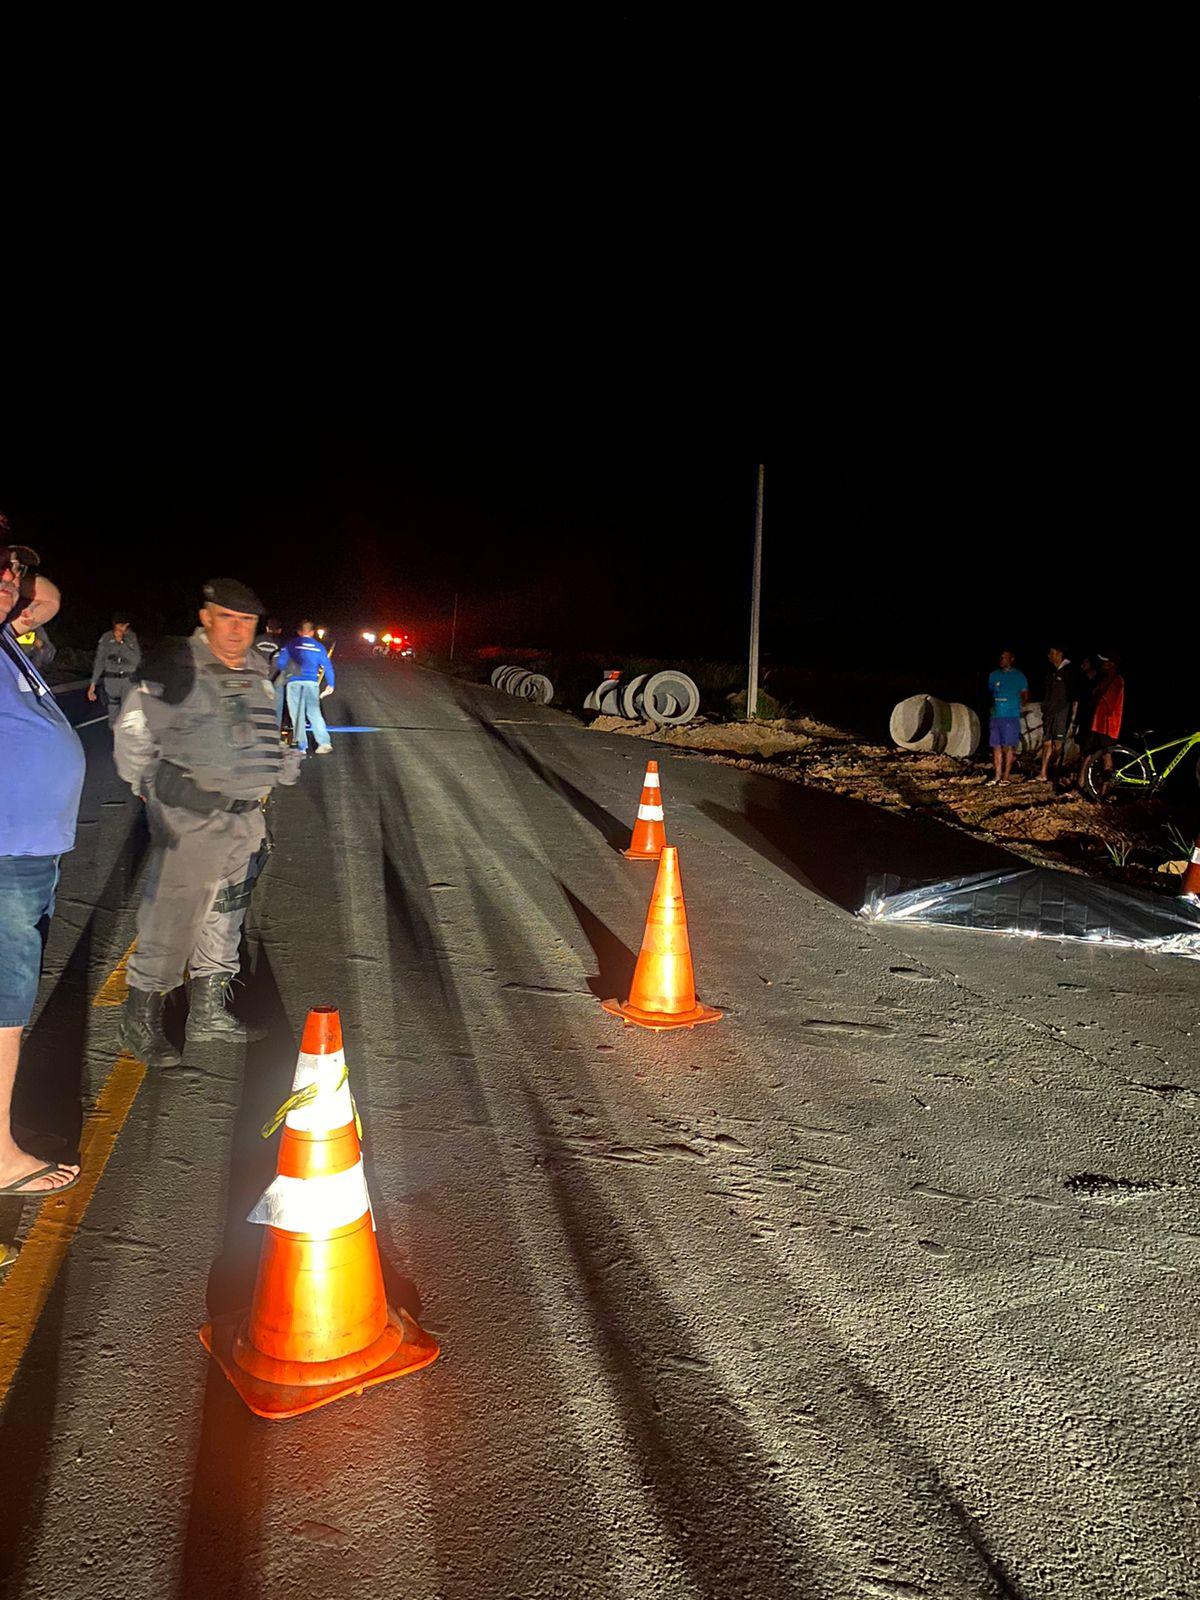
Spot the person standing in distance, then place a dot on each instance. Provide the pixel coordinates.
(308, 658)
(1060, 705)
(1009, 690)
(268, 646)
(118, 656)
(39, 799)
(200, 744)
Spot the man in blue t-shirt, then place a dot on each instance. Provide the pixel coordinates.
(304, 661)
(1009, 691)
(40, 784)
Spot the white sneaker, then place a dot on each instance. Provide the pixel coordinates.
(324, 749)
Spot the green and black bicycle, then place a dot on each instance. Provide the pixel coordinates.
(1123, 773)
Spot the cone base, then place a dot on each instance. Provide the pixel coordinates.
(642, 855)
(403, 1347)
(660, 1021)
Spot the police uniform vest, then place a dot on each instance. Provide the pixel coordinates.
(222, 733)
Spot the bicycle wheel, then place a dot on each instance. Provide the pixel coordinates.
(1116, 774)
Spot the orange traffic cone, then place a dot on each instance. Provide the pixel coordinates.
(664, 988)
(649, 835)
(1191, 878)
(319, 1326)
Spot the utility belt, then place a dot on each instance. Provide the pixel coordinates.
(174, 788)
(107, 674)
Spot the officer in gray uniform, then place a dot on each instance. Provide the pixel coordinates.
(118, 656)
(199, 742)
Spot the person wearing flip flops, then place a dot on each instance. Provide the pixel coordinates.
(39, 798)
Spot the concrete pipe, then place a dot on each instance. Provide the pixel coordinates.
(497, 673)
(631, 697)
(515, 680)
(926, 724)
(1031, 727)
(592, 700)
(503, 676)
(608, 698)
(670, 698)
(539, 689)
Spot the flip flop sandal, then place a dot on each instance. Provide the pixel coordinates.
(23, 1193)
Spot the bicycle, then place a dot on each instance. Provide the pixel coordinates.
(1125, 773)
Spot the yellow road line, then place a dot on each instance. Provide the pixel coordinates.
(115, 990)
(26, 1285)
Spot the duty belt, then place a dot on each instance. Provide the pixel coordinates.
(174, 788)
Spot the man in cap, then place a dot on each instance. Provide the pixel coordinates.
(200, 744)
(118, 656)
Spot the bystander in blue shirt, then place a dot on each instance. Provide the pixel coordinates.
(1006, 686)
(41, 779)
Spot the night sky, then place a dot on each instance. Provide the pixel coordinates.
(973, 410)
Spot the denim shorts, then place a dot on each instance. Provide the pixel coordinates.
(27, 885)
(1004, 732)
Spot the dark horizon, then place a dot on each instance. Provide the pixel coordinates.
(969, 443)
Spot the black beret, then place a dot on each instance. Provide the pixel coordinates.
(234, 596)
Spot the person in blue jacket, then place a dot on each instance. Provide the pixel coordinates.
(307, 658)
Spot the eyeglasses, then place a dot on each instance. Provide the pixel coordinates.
(18, 559)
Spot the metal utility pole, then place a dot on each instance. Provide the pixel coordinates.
(755, 599)
(454, 625)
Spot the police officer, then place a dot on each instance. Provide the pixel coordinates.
(118, 656)
(200, 744)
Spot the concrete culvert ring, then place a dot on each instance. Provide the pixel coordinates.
(540, 689)
(670, 698)
(515, 683)
(497, 673)
(593, 699)
(631, 697)
(608, 698)
(925, 724)
(502, 677)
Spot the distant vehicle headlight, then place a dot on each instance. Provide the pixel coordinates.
(369, 637)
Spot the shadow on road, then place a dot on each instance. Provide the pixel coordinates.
(612, 830)
(615, 961)
(835, 845)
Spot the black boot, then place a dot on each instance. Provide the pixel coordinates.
(142, 1035)
(208, 1018)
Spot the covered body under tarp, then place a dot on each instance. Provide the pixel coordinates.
(1038, 903)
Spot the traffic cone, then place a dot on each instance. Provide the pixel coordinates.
(649, 835)
(1191, 878)
(663, 994)
(319, 1325)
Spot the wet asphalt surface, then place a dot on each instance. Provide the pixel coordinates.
(883, 1286)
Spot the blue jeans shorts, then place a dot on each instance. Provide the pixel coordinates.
(1004, 732)
(27, 885)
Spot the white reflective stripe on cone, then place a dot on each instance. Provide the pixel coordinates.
(332, 1107)
(652, 781)
(314, 1205)
(650, 813)
(1196, 856)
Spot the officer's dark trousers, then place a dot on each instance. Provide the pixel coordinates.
(193, 861)
(115, 691)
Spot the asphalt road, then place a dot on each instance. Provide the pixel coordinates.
(839, 1297)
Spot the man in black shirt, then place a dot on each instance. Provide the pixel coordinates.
(1060, 706)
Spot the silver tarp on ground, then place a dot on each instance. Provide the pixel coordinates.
(1041, 904)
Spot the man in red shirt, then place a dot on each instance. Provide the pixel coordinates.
(1108, 708)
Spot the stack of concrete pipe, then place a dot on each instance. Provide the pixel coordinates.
(667, 698)
(524, 684)
(926, 724)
